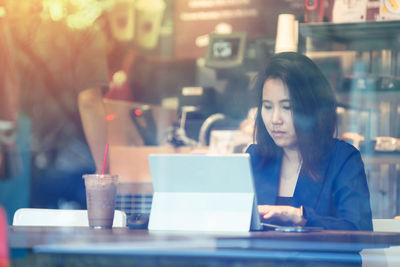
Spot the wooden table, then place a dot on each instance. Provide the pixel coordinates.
(222, 248)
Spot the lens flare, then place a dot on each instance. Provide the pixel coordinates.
(78, 14)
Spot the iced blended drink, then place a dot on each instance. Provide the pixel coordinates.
(122, 20)
(149, 16)
(101, 190)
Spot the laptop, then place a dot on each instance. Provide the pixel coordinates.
(203, 192)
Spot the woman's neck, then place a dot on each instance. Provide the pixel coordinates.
(289, 174)
(292, 155)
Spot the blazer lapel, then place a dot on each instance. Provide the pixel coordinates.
(307, 191)
(267, 193)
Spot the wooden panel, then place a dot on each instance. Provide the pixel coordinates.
(131, 163)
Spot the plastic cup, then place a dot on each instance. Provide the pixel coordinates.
(287, 34)
(101, 190)
(122, 20)
(149, 15)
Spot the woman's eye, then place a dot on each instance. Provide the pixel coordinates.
(267, 107)
(287, 107)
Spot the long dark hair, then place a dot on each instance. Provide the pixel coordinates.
(313, 105)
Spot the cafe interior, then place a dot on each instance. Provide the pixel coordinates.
(150, 106)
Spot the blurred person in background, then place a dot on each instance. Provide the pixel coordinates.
(120, 58)
(55, 62)
(9, 101)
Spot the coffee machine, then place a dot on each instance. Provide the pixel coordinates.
(223, 93)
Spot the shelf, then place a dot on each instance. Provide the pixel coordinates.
(356, 36)
(381, 158)
(367, 96)
(382, 106)
(370, 100)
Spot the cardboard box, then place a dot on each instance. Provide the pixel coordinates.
(349, 11)
(365, 10)
(389, 10)
(131, 163)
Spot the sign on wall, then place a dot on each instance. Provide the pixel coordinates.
(195, 19)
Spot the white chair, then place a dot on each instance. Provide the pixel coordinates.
(386, 225)
(383, 257)
(58, 217)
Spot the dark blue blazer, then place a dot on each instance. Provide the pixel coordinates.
(338, 200)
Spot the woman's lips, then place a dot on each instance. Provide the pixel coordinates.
(278, 133)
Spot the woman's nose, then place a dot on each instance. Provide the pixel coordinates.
(276, 117)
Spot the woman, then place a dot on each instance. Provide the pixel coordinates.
(303, 176)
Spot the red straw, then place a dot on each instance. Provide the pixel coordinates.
(105, 159)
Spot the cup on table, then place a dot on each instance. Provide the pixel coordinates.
(101, 191)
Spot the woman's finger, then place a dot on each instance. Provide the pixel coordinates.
(269, 213)
(262, 209)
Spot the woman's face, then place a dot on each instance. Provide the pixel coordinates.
(277, 113)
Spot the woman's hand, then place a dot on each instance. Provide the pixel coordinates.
(282, 213)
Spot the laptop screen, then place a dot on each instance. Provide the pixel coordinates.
(201, 173)
(179, 179)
